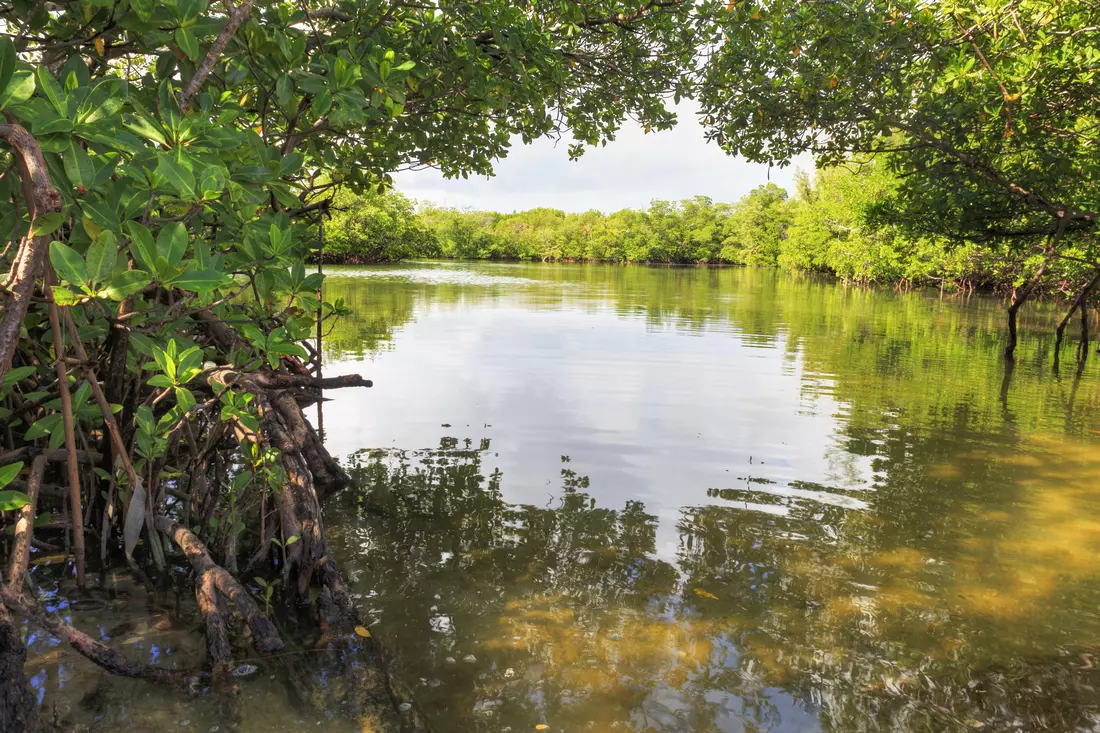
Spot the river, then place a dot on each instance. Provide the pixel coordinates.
(603, 498)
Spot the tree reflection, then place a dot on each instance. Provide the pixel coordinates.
(792, 607)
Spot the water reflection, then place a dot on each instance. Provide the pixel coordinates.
(831, 613)
(810, 507)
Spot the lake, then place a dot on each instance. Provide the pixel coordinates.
(623, 498)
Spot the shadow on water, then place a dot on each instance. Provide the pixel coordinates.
(785, 607)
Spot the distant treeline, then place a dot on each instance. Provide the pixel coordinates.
(838, 223)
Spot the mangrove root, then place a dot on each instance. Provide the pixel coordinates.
(94, 650)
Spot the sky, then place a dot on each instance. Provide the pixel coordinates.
(630, 172)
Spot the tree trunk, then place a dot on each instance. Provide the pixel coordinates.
(41, 198)
(18, 705)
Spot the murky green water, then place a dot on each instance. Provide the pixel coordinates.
(646, 499)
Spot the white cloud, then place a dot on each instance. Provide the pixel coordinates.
(629, 172)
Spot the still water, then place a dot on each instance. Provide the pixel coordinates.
(603, 498)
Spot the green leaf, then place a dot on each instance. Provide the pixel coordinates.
(161, 380)
(51, 126)
(11, 500)
(187, 43)
(43, 426)
(126, 283)
(106, 98)
(65, 297)
(185, 399)
(141, 244)
(144, 8)
(168, 106)
(19, 89)
(17, 374)
(47, 223)
(290, 163)
(200, 281)
(322, 103)
(101, 213)
(173, 167)
(102, 258)
(172, 242)
(103, 134)
(68, 264)
(10, 471)
(52, 90)
(284, 90)
(7, 62)
(146, 127)
(78, 165)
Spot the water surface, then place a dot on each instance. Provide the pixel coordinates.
(607, 498)
(680, 499)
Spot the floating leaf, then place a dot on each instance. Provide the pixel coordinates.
(704, 594)
(362, 631)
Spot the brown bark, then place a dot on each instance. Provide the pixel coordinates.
(1021, 295)
(118, 444)
(41, 198)
(328, 475)
(265, 637)
(221, 333)
(24, 527)
(1078, 302)
(287, 381)
(237, 16)
(75, 504)
(353, 677)
(55, 455)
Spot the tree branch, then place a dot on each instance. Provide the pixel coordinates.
(237, 16)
